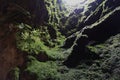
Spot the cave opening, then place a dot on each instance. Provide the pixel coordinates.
(59, 39)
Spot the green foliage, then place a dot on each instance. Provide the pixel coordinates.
(106, 68)
(55, 54)
(14, 74)
(17, 73)
(82, 74)
(35, 41)
(56, 10)
(96, 48)
(93, 49)
(110, 62)
(43, 71)
(30, 42)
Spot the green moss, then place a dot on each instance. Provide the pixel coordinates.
(30, 42)
(55, 54)
(14, 74)
(17, 72)
(96, 48)
(35, 41)
(43, 71)
(93, 49)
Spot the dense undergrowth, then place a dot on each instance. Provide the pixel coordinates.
(106, 68)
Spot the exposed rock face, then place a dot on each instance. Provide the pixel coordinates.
(37, 10)
(98, 26)
(9, 57)
(89, 14)
(13, 12)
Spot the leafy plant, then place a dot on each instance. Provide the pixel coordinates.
(43, 71)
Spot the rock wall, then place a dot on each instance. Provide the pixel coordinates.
(9, 56)
(97, 27)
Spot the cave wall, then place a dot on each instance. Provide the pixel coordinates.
(95, 28)
(29, 12)
(9, 56)
(37, 9)
(98, 24)
(14, 12)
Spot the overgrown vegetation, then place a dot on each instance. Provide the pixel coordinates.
(42, 70)
(42, 41)
(106, 68)
(46, 39)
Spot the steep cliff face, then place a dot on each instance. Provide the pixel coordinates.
(96, 35)
(9, 56)
(93, 29)
(92, 13)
